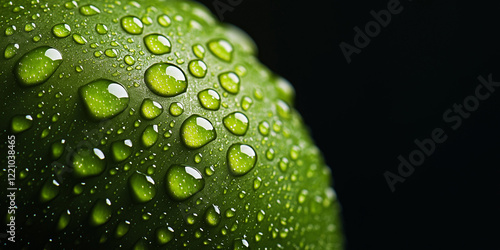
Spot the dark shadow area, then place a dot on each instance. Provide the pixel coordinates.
(418, 72)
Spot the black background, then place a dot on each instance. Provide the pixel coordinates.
(363, 115)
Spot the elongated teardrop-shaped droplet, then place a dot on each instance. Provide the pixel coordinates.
(221, 49)
(88, 163)
(121, 150)
(230, 82)
(150, 109)
(21, 123)
(57, 149)
(133, 25)
(37, 66)
(122, 228)
(101, 212)
(197, 131)
(209, 99)
(104, 99)
(183, 182)
(142, 187)
(236, 123)
(89, 10)
(165, 79)
(241, 159)
(157, 44)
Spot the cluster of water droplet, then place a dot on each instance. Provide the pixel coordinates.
(208, 97)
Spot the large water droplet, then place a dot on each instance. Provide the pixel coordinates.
(221, 49)
(241, 159)
(49, 191)
(100, 213)
(197, 131)
(89, 10)
(150, 136)
(209, 99)
(10, 50)
(61, 30)
(104, 98)
(212, 216)
(198, 68)
(230, 82)
(121, 150)
(165, 79)
(37, 66)
(151, 109)
(132, 25)
(142, 187)
(164, 235)
(21, 123)
(157, 44)
(236, 123)
(183, 182)
(87, 163)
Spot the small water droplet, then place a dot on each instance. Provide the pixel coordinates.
(122, 228)
(199, 51)
(241, 244)
(198, 68)
(142, 187)
(10, 50)
(256, 183)
(49, 190)
(121, 150)
(150, 136)
(29, 27)
(61, 30)
(283, 164)
(151, 109)
(236, 123)
(88, 163)
(246, 103)
(64, 220)
(261, 215)
(133, 25)
(241, 159)
(70, 5)
(111, 53)
(209, 99)
(212, 216)
(104, 98)
(183, 182)
(164, 235)
(221, 49)
(101, 28)
(197, 131)
(157, 44)
(164, 20)
(57, 149)
(230, 82)
(165, 79)
(9, 31)
(283, 109)
(302, 196)
(129, 60)
(89, 10)
(37, 66)
(79, 39)
(101, 212)
(21, 123)
(264, 128)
